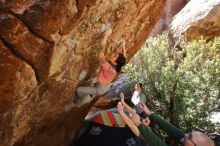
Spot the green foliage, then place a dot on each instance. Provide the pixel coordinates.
(190, 77)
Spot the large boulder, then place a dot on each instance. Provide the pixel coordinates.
(171, 9)
(47, 49)
(199, 18)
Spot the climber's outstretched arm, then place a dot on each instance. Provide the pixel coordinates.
(107, 33)
(102, 57)
(124, 50)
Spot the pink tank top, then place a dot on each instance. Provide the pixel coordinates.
(106, 73)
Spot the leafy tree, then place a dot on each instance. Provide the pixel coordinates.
(182, 84)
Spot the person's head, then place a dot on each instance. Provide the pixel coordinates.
(138, 86)
(197, 138)
(117, 59)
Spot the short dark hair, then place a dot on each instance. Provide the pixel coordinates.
(121, 60)
(140, 84)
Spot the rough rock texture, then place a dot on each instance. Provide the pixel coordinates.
(171, 9)
(196, 19)
(25, 45)
(47, 49)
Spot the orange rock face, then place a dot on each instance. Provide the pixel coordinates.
(47, 49)
(25, 44)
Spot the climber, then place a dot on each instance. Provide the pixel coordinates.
(109, 67)
(194, 138)
(128, 116)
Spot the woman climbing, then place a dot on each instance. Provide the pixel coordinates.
(109, 67)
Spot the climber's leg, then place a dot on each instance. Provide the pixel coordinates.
(82, 91)
(91, 91)
(102, 89)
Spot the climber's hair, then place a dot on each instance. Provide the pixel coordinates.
(120, 62)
